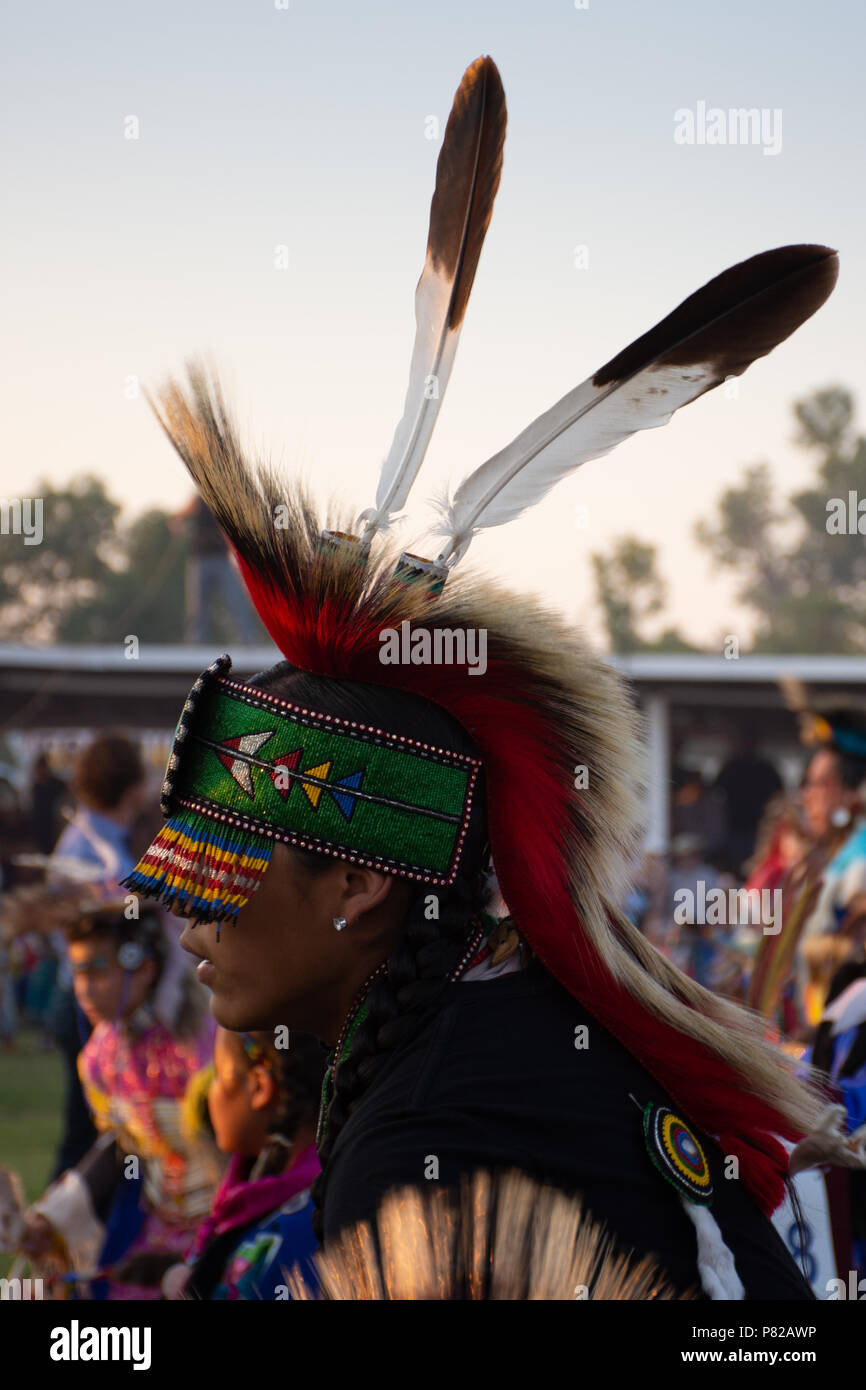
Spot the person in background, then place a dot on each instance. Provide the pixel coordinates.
(41, 988)
(47, 792)
(780, 972)
(144, 1185)
(647, 902)
(782, 842)
(839, 1050)
(834, 801)
(691, 875)
(698, 811)
(263, 1103)
(109, 786)
(8, 1002)
(14, 837)
(746, 782)
(780, 864)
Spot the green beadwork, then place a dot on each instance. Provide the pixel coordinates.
(361, 791)
(345, 1047)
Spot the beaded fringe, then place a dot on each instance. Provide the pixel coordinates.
(202, 866)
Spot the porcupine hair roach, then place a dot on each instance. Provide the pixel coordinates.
(545, 705)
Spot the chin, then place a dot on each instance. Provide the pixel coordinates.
(233, 1017)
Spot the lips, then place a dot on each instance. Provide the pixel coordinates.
(205, 970)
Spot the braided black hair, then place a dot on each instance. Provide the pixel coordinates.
(298, 1071)
(431, 945)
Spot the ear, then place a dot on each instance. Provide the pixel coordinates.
(261, 1087)
(351, 891)
(362, 890)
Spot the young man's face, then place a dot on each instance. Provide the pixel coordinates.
(104, 990)
(282, 962)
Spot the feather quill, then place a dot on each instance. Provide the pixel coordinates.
(467, 178)
(717, 332)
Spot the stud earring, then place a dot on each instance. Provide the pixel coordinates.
(340, 923)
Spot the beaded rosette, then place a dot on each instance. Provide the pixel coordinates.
(248, 769)
(676, 1152)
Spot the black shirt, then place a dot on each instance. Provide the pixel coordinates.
(493, 1079)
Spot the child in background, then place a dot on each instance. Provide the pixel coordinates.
(263, 1104)
(108, 1210)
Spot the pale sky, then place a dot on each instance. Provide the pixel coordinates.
(305, 127)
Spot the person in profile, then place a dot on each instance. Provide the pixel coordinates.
(264, 1105)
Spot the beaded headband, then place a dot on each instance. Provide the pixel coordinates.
(247, 769)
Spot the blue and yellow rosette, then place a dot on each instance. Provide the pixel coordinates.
(676, 1153)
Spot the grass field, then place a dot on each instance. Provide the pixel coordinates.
(31, 1111)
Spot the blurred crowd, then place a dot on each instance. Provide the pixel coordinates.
(84, 829)
(187, 1154)
(763, 894)
(762, 898)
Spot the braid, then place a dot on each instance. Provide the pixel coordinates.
(428, 950)
(417, 975)
(298, 1071)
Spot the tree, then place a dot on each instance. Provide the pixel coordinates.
(39, 583)
(89, 579)
(804, 579)
(145, 597)
(630, 591)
